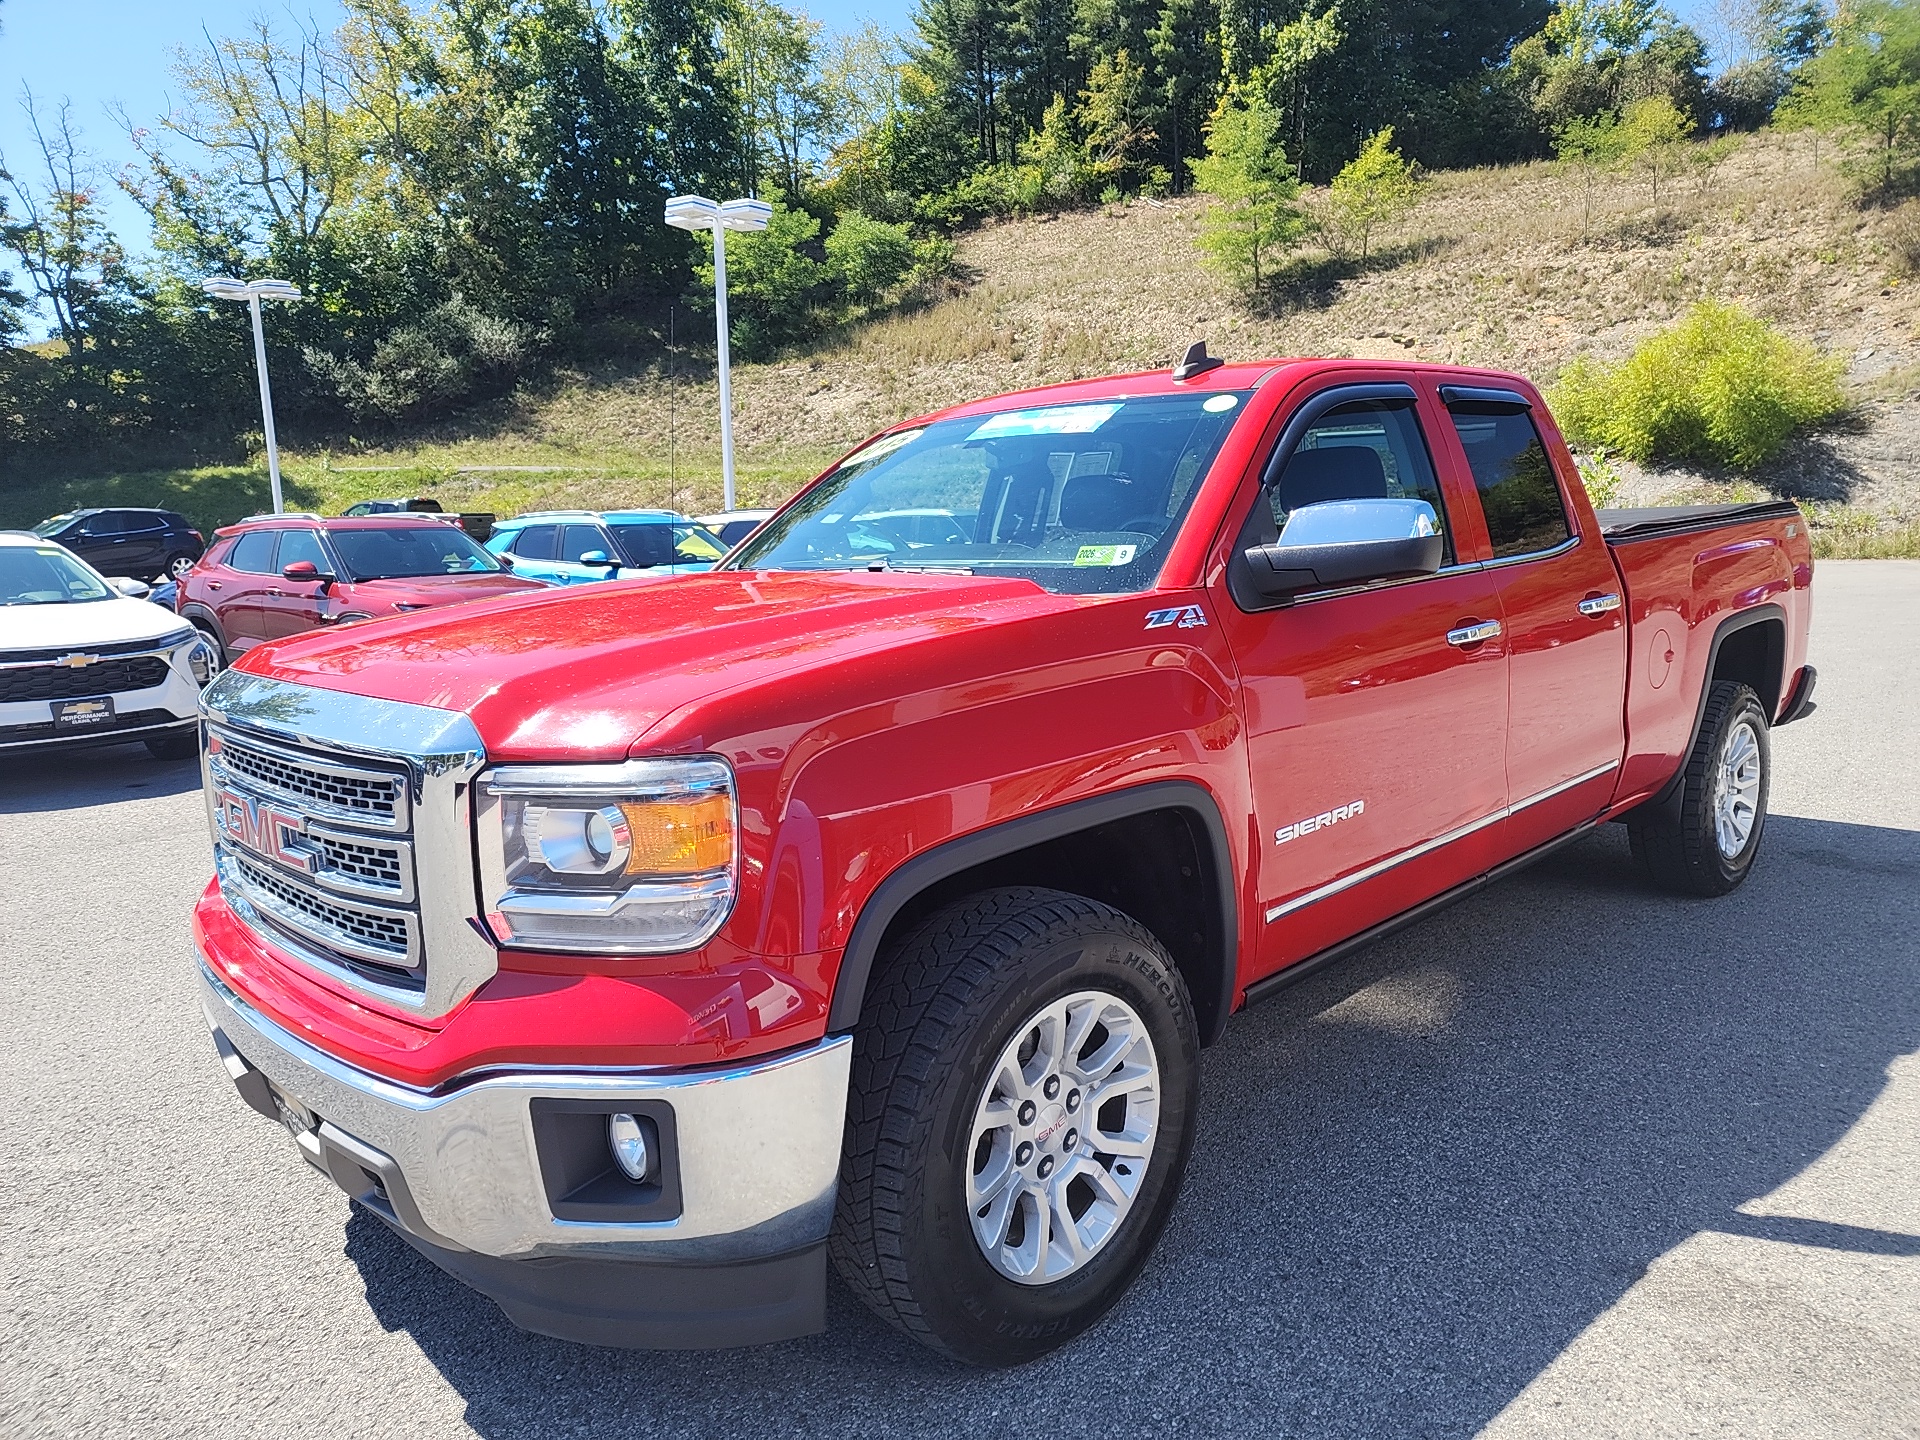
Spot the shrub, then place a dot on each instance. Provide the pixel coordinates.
(456, 354)
(868, 259)
(1376, 188)
(1720, 386)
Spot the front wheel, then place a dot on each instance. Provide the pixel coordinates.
(1024, 1086)
(177, 568)
(1708, 847)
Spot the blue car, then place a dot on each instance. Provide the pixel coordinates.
(574, 547)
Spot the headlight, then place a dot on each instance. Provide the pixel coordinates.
(199, 655)
(634, 859)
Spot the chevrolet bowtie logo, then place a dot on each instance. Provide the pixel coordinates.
(77, 661)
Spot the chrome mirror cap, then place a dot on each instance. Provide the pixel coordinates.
(1349, 522)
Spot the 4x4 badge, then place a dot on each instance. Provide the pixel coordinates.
(1186, 617)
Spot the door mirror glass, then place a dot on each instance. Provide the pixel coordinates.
(1348, 542)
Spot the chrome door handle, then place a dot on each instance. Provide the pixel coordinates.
(1599, 604)
(1475, 633)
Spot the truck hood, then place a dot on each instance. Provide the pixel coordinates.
(581, 674)
(441, 589)
(121, 620)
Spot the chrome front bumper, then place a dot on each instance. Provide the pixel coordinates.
(758, 1146)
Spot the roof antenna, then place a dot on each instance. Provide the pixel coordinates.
(1196, 362)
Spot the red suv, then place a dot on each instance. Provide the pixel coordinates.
(280, 575)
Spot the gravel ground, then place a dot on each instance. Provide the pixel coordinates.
(1571, 1158)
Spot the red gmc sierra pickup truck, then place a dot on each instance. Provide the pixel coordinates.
(633, 950)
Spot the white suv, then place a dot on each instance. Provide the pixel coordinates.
(84, 660)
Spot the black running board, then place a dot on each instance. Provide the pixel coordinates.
(1301, 969)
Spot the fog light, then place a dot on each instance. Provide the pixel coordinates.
(629, 1144)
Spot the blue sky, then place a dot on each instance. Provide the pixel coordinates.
(96, 52)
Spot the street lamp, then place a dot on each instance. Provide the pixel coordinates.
(696, 212)
(225, 287)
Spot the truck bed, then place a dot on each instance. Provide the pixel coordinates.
(1623, 527)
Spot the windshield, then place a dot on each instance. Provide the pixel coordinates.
(57, 523)
(658, 542)
(410, 552)
(42, 575)
(1080, 499)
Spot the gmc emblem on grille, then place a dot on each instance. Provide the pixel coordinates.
(257, 826)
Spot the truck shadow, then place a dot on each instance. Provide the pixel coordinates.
(1420, 1176)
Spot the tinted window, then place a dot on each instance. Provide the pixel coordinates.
(578, 540)
(298, 545)
(410, 551)
(734, 531)
(1079, 499)
(107, 522)
(1518, 490)
(140, 522)
(644, 544)
(253, 552)
(537, 542)
(1369, 450)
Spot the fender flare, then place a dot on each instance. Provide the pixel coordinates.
(1669, 796)
(943, 861)
(204, 619)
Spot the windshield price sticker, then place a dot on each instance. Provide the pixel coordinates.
(1055, 420)
(1106, 554)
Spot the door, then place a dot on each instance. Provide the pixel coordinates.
(293, 607)
(144, 543)
(242, 603)
(584, 539)
(1561, 603)
(533, 551)
(1376, 715)
(102, 542)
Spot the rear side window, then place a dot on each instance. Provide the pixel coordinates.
(141, 522)
(537, 542)
(1369, 450)
(578, 540)
(253, 552)
(1511, 469)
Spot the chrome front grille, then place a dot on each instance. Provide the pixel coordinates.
(342, 830)
(346, 792)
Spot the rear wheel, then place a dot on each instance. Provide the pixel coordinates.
(177, 567)
(1710, 845)
(1022, 1107)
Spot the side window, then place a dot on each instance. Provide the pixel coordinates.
(1511, 470)
(298, 545)
(1369, 450)
(537, 542)
(142, 522)
(107, 522)
(578, 540)
(253, 552)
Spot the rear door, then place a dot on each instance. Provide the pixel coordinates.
(242, 605)
(1560, 600)
(1376, 721)
(144, 542)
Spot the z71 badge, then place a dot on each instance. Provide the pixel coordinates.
(1185, 617)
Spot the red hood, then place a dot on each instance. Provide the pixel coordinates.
(583, 673)
(441, 589)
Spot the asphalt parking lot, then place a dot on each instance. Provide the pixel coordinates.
(1569, 1159)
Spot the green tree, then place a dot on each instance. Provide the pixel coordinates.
(1256, 215)
(1375, 188)
(1591, 147)
(1866, 82)
(768, 56)
(1653, 131)
(1115, 112)
(1186, 63)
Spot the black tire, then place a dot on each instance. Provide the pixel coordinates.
(184, 745)
(183, 562)
(952, 996)
(1680, 849)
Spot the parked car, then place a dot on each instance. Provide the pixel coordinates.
(478, 523)
(85, 660)
(875, 899)
(142, 544)
(733, 526)
(280, 575)
(574, 547)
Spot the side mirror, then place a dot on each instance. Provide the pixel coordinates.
(504, 558)
(307, 571)
(1348, 542)
(132, 589)
(599, 557)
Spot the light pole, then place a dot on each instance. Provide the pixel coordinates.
(696, 212)
(225, 287)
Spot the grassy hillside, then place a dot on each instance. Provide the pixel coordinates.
(1515, 268)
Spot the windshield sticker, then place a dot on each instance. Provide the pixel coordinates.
(1106, 555)
(1218, 404)
(1055, 420)
(880, 449)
